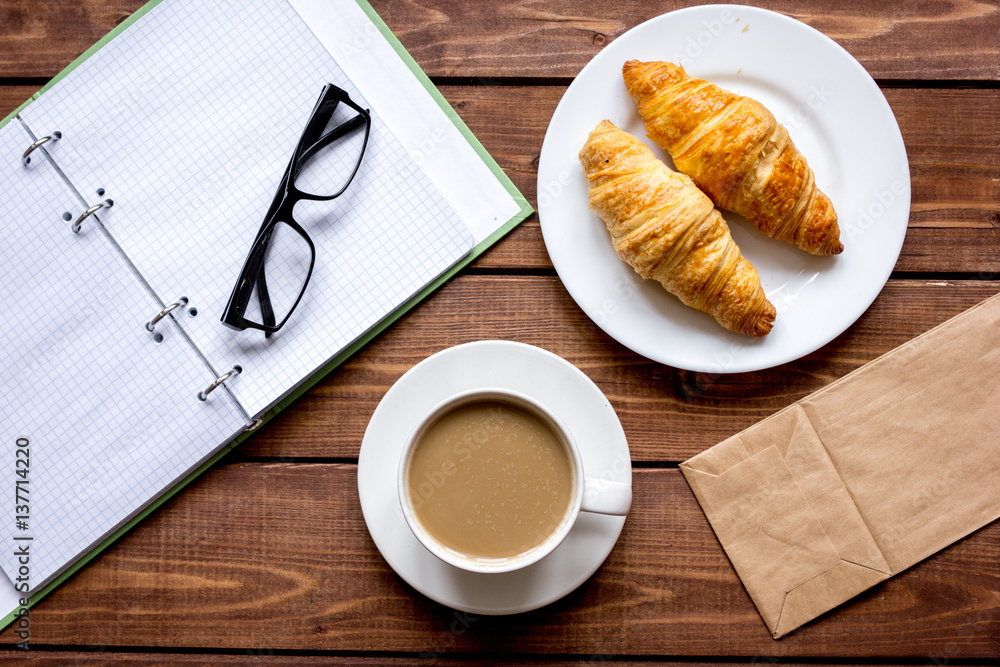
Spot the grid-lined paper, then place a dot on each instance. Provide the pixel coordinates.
(112, 416)
(188, 120)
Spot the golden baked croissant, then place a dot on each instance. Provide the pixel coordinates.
(668, 230)
(735, 150)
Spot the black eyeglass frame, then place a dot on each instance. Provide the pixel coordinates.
(283, 206)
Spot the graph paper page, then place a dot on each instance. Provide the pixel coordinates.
(107, 417)
(188, 120)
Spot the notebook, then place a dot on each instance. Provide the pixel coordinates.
(185, 118)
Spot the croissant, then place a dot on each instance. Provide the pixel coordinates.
(667, 229)
(736, 151)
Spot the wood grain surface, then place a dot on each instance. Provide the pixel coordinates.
(265, 555)
(668, 414)
(277, 658)
(952, 137)
(940, 39)
(266, 560)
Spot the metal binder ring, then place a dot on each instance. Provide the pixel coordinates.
(26, 159)
(107, 203)
(235, 370)
(182, 301)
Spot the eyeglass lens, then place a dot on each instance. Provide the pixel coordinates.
(330, 169)
(284, 274)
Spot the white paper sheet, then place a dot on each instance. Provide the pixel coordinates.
(421, 125)
(188, 120)
(111, 417)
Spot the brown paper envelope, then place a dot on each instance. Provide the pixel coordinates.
(863, 478)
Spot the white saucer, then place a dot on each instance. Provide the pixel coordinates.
(541, 375)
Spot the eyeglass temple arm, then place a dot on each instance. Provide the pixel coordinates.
(327, 139)
(263, 236)
(321, 116)
(295, 166)
(266, 310)
(326, 106)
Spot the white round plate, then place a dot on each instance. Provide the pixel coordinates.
(541, 375)
(838, 119)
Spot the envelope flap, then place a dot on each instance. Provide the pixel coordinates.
(822, 593)
(792, 435)
(766, 526)
(732, 451)
(822, 486)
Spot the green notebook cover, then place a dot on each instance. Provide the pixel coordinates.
(524, 212)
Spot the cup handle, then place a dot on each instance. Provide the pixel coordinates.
(604, 497)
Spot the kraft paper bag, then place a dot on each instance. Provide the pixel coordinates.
(863, 478)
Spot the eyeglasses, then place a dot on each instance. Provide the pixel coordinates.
(280, 262)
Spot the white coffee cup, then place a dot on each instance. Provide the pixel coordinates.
(588, 495)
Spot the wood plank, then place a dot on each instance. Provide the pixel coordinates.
(936, 40)
(264, 657)
(668, 414)
(259, 556)
(269, 657)
(509, 38)
(38, 39)
(959, 249)
(952, 137)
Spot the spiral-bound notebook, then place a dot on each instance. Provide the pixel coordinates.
(185, 121)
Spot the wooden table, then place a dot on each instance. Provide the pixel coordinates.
(266, 559)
